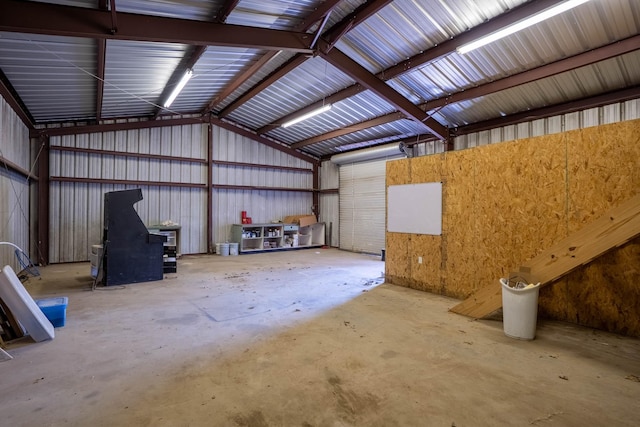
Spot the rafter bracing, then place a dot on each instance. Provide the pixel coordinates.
(357, 17)
(380, 88)
(304, 26)
(580, 60)
(225, 10)
(431, 54)
(388, 118)
(283, 70)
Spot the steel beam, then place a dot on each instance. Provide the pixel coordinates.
(331, 99)
(112, 127)
(42, 247)
(5, 163)
(261, 188)
(373, 83)
(580, 60)
(52, 19)
(304, 26)
(355, 18)
(261, 166)
(315, 208)
(571, 63)
(223, 12)
(433, 53)
(388, 118)
(261, 139)
(187, 63)
(13, 99)
(239, 80)
(265, 83)
(449, 46)
(126, 154)
(126, 182)
(553, 110)
(209, 188)
(319, 12)
(102, 51)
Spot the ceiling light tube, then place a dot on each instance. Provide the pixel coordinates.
(520, 25)
(178, 88)
(307, 116)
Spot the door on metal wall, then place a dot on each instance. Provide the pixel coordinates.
(362, 206)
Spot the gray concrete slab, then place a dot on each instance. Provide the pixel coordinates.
(302, 338)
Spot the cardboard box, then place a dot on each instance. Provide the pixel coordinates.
(301, 220)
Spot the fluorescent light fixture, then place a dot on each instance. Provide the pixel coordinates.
(307, 116)
(178, 88)
(520, 25)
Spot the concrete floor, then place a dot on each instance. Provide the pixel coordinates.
(302, 338)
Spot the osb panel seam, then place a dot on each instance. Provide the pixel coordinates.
(505, 203)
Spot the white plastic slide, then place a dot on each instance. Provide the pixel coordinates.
(23, 307)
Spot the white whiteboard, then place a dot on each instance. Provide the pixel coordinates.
(415, 208)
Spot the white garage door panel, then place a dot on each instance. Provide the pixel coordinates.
(362, 206)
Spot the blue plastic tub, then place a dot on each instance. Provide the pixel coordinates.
(54, 309)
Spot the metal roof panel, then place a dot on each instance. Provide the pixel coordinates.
(136, 74)
(54, 76)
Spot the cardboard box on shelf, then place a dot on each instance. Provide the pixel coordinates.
(301, 220)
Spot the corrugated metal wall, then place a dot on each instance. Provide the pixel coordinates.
(330, 202)
(76, 208)
(14, 188)
(261, 205)
(612, 113)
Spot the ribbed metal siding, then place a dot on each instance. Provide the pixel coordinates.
(77, 208)
(406, 27)
(214, 71)
(201, 10)
(362, 206)
(359, 108)
(14, 216)
(274, 14)
(618, 112)
(261, 205)
(14, 188)
(310, 82)
(330, 202)
(275, 62)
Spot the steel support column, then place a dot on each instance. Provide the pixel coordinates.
(210, 188)
(42, 248)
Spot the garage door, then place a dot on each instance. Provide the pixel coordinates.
(362, 206)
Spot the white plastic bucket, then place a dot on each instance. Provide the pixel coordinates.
(519, 310)
(233, 249)
(224, 249)
(218, 249)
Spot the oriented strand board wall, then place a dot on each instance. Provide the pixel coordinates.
(504, 203)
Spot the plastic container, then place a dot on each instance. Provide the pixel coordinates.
(54, 309)
(217, 248)
(224, 249)
(519, 310)
(233, 249)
